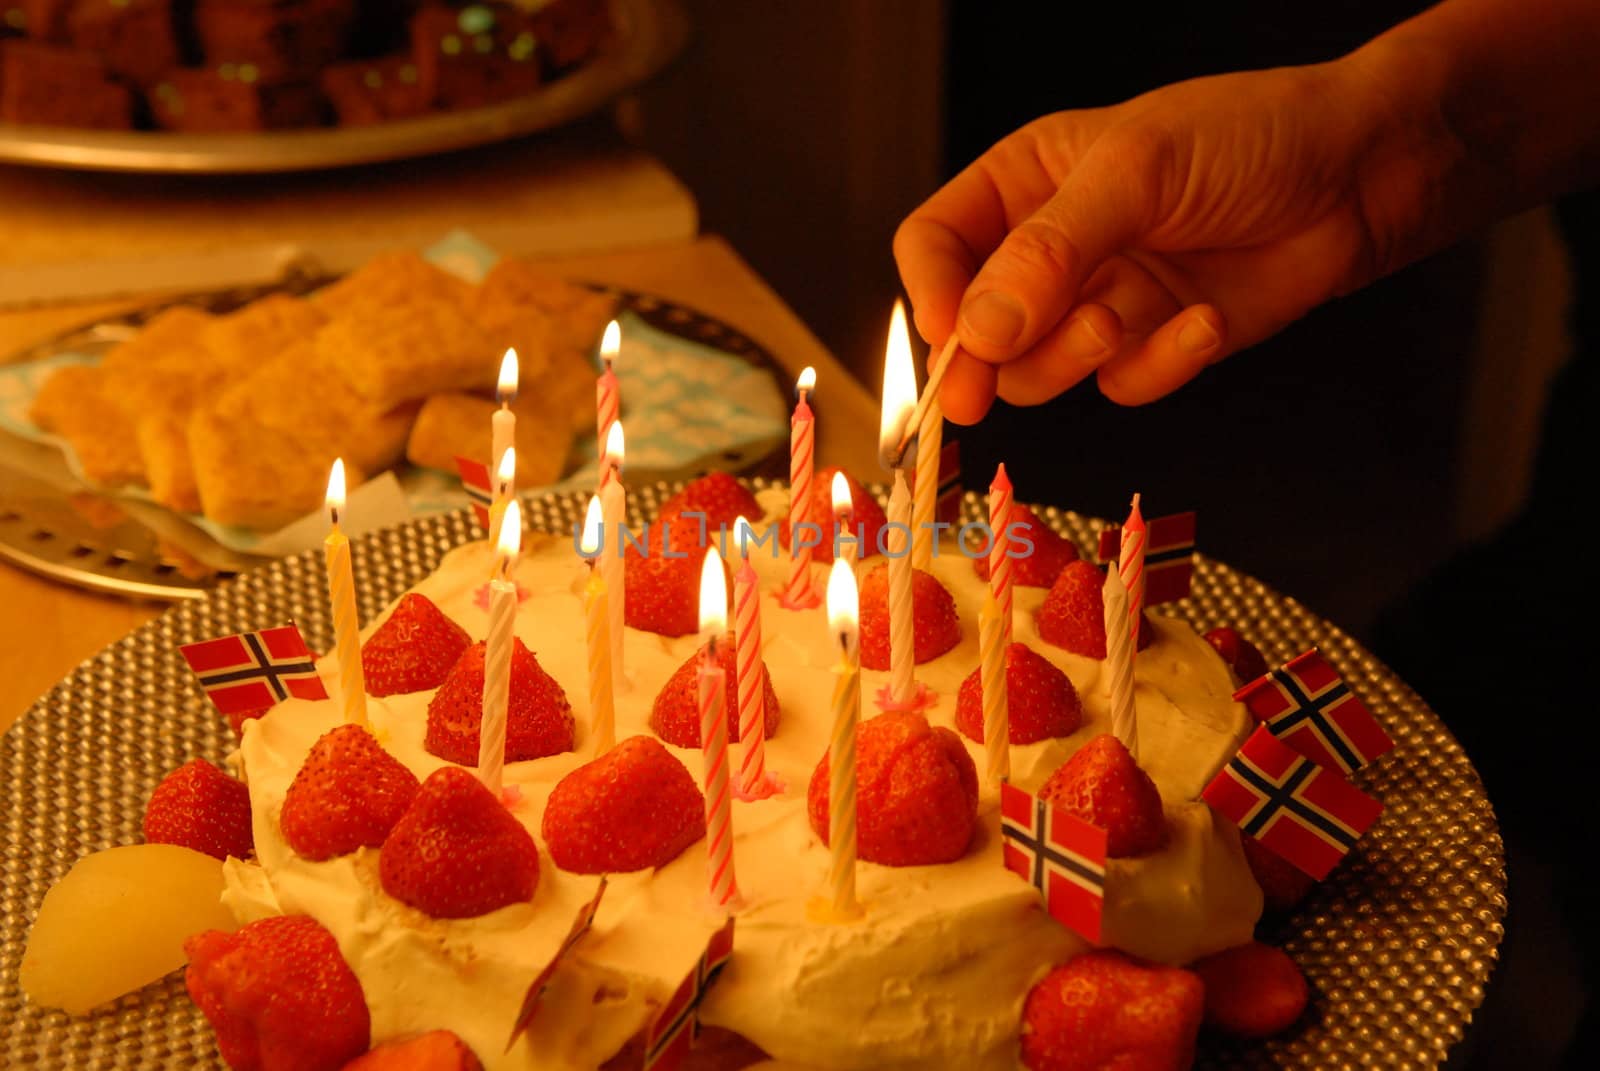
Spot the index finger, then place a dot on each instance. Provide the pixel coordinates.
(940, 246)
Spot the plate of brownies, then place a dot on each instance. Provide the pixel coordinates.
(233, 86)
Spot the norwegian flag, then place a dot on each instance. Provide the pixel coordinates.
(475, 481)
(1168, 556)
(1309, 815)
(947, 507)
(255, 670)
(673, 1031)
(1057, 853)
(1308, 706)
(580, 926)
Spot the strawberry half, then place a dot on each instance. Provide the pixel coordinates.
(634, 807)
(1041, 700)
(663, 584)
(934, 623)
(437, 1050)
(718, 495)
(1283, 885)
(349, 792)
(1073, 614)
(675, 716)
(1252, 991)
(1038, 566)
(538, 716)
(866, 516)
(198, 806)
(413, 650)
(916, 792)
(279, 995)
(456, 852)
(1105, 1011)
(1103, 785)
(1242, 656)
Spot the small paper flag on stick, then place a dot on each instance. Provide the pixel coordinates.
(1309, 706)
(580, 926)
(1057, 853)
(673, 1031)
(255, 670)
(479, 486)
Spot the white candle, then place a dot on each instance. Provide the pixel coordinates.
(930, 438)
(505, 482)
(503, 425)
(497, 654)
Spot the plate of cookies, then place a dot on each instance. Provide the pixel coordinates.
(237, 86)
(210, 421)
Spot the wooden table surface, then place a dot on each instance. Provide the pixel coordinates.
(46, 628)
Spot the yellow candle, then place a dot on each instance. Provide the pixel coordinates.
(342, 596)
(497, 653)
(614, 511)
(843, 602)
(899, 404)
(597, 620)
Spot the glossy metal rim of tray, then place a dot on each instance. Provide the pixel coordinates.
(1398, 944)
(649, 34)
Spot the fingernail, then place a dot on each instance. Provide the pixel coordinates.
(1197, 336)
(994, 317)
(1084, 341)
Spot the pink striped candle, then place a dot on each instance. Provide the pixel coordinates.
(713, 694)
(753, 782)
(1000, 565)
(798, 593)
(1131, 565)
(607, 393)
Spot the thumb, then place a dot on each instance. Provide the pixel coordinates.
(1031, 281)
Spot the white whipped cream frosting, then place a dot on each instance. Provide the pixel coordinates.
(935, 974)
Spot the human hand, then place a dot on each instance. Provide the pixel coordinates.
(1145, 241)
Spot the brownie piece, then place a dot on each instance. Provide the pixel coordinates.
(478, 55)
(274, 40)
(224, 99)
(570, 31)
(372, 91)
(51, 86)
(134, 38)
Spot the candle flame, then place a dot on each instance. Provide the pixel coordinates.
(507, 392)
(510, 544)
(899, 388)
(335, 496)
(592, 540)
(807, 380)
(507, 469)
(842, 502)
(614, 445)
(743, 532)
(713, 597)
(843, 601)
(611, 343)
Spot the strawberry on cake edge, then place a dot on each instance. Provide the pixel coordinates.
(936, 973)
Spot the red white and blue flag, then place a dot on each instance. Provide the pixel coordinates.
(1307, 814)
(947, 507)
(580, 926)
(673, 1031)
(1309, 706)
(1168, 556)
(1057, 853)
(255, 670)
(475, 481)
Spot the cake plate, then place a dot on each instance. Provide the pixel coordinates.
(1398, 944)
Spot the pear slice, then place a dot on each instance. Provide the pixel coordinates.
(117, 921)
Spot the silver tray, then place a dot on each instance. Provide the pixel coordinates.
(1398, 944)
(649, 33)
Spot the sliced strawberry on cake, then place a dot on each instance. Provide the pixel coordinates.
(719, 496)
(916, 792)
(632, 808)
(1041, 701)
(437, 1050)
(1252, 991)
(663, 582)
(348, 793)
(279, 995)
(1242, 656)
(675, 716)
(1073, 614)
(1103, 785)
(866, 516)
(413, 649)
(1038, 552)
(457, 852)
(1105, 1011)
(198, 806)
(538, 716)
(935, 626)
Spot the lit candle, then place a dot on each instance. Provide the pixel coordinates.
(753, 783)
(505, 479)
(713, 693)
(607, 393)
(843, 612)
(798, 593)
(925, 488)
(342, 595)
(992, 643)
(614, 511)
(899, 400)
(497, 652)
(503, 424)
(597, 619)
(1131, 565)
(846, 546)
(1000, 566)
(1119, 661)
